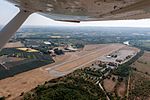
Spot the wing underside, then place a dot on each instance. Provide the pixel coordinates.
(75, 11)
(87, 10)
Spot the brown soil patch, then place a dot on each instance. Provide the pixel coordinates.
(23, 82)
(121, 89)
(109, 85)
(14, 45)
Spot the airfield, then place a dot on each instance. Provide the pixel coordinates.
(12, 87)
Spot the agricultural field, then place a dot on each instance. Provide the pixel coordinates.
(143, 44)
(28, 49)
(143, 63)
(14, 68)
(140, 78)
(14, 52)
(14, 45)
(17, 61)
(139, 86)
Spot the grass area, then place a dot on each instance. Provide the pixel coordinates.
(143, 64)
(140, 86)
(70, 87)
(27, 49)
(13, 52)
(142, 89)
(146, 44)
(143, 44)
(140, 79)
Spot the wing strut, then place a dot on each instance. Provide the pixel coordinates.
(10, 29)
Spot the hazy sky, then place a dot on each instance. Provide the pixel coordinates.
(8, 11)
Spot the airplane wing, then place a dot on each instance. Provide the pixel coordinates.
(87, 10)
(75, 11)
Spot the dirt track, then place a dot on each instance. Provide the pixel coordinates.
(24, 82)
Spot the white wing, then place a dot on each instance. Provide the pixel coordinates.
(87, 10)
(76, 11)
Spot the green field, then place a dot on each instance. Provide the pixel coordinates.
(32, 60)
(143, 44)
(13, 52)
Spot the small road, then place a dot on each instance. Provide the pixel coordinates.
(128, 87)
(104, 91)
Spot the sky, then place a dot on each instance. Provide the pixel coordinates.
(8, 11)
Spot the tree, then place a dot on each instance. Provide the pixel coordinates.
(2, 98)
(22, 93)
(58, 52)
(146, 73)
(134, 69)
(114, 79)
(120, 79)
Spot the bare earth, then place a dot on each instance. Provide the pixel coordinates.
(14, 86)
(143, 63)
(14, 45)
(121, 89)
(109, 84)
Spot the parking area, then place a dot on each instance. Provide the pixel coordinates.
(119, 57)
